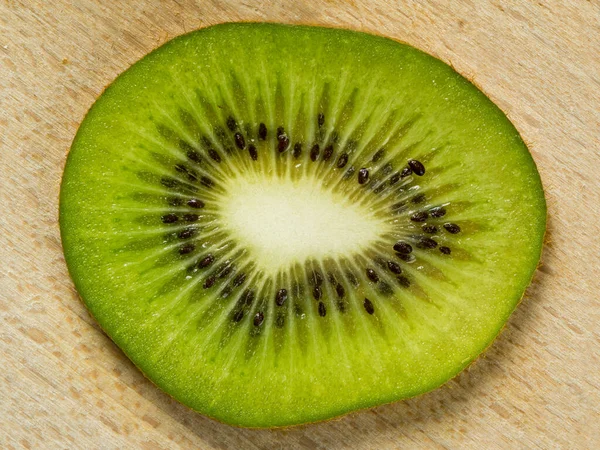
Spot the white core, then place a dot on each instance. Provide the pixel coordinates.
(281, 222)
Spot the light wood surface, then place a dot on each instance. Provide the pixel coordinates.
(64, 384)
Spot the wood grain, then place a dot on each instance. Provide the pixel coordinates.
(63, 384)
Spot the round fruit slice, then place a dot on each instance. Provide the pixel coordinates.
(282, 224)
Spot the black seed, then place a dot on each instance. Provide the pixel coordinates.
(231, 123)
(186, 233)
(403, 247)
(395, 178)
(210, 282)
(417, 167)
(175, 201)
(253, 152)
(248, 297)
(322, 309)
(426, 243)
(314, 152)
(206, 181)
(195, 203)
(327, 153)
(259, 318)
(297, 150)
(341, 306)
(190, 217)
(317, 293)
(316, 278)
(321, 119)
(206, 261)
(452, 228)
(282, 142)
(280, 321)
(438, 211)
(194, 156)
(169, 218)
(226, 292)
(420, 216)
(430, 229)
(363, 176)
(281, 297)
(280, 131)
(445, 250)
(239, 280)
(342, 160)
(262, 131)
(238, 315)
(408, 257)
(368, 306)
(339, 289)
(394, 268)
(240, 142)
(403, 281)
(405, 172)
(214, 155)
(378, 155)
(419, 198)
(168, 182)
(372, 275)
(186, 248)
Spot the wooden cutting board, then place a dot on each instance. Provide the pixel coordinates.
(64, 384)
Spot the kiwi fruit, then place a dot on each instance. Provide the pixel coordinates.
(282, 224)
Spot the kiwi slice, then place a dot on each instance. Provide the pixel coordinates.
(282, 224)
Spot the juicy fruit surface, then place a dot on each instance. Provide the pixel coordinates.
(282, 224)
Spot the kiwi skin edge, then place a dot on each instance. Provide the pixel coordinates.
(334, 418)
(466, 366)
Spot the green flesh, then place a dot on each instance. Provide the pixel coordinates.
(131, 157)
